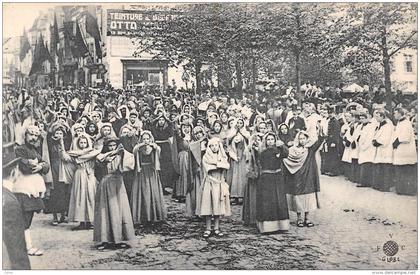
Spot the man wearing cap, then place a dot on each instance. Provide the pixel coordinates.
(15, 255)
(30, 185)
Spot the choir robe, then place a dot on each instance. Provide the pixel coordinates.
(382, 179)
(366, 153)
(404, 158)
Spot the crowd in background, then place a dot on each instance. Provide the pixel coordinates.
(108, 157)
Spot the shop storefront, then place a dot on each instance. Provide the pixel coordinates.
(123, 69)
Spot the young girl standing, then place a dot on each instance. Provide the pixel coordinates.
(147, 201)
(113, 221)
(82, 198)
(214, 200)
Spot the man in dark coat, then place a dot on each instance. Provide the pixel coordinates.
(296, 123)
(15, 256)
(331, 152)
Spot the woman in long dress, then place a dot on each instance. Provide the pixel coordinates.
(60, 191)
(272, 211)
(237, 176)
(249, 209)
(214, 199)
(163, 133)
(184, 139)
(147, 201)
(198, 148)
(302, 177)
(113, 221)
(82, 198)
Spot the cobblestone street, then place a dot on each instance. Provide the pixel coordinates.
(350, 230)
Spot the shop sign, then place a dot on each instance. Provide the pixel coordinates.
(126, 22)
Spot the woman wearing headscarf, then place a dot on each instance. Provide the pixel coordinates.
(214, 199)
(197, 148)
(285, 135)
(147, 201)
(113, 224)
(135, 122)
(60, 190)
(65, 111)
(92, 130)
(224, 119)
(84, 120)
(272, 213)
(261, 128)
(271, 126)
(163, 133)
(216, 130)
(104, 132)
(45, 153)
(82, 199)
(237, 141)
(249, 209)
(184, 138)
(96, 117)
(76, 130)
(302, 177)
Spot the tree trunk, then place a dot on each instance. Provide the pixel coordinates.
(387, 72)
(238, 78)
(198, 66)
(222, 79)
(254, 76)
(297, 56)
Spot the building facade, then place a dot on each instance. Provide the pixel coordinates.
(404, 70)
(125, 68)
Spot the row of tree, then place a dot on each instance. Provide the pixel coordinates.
(318, 40)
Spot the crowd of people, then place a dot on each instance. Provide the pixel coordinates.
(105, 158)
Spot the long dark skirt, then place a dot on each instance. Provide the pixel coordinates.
(147, 201)
(29, 205)
(366, 174)
(346, 169)
(272, 212)
(128, 183)
(405, 179)
(167, 172)
(112, 222)
(59, 198)
(354, 171)
(331, 163)
(382, 177)
(249, 209)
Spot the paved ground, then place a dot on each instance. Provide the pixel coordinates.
(352, 224)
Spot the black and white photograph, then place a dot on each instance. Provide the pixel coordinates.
(210, 136)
